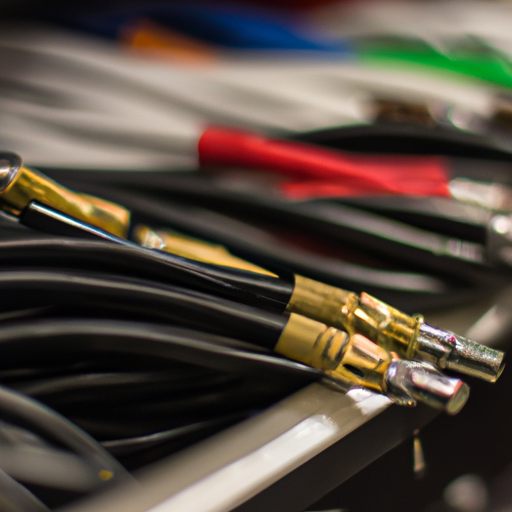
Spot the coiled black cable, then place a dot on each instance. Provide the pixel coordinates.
(407, 290)
(137, 451)
(102, 285)
(31, 249)
(27, 413)
(210, 382)
(41, 340)
(348, 225)
(104, 387)
(133, 444)
(143, 299)
(246, 240)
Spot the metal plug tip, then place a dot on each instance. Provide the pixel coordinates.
(475, 359)
(423, 383)
(454, 352)
(458, 399)
(439, 391)
(10, 164)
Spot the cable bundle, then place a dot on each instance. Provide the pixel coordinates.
(144, 350)
(139, 385)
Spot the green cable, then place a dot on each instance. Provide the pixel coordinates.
(475, 59)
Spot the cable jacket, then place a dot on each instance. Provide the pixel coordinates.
(253, 288)
(142, 299)
(28, 413)
(235, 148)
(41, 340)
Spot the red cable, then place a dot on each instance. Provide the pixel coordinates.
(324, 167)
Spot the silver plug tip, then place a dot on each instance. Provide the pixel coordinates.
(475, 359)
(454, 352)
(409, 382)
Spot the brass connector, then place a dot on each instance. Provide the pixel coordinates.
(317, 300)
(349, 360)
(393, 330)
(192, 248)
(355, 361)
(19, 186)
(386, 326)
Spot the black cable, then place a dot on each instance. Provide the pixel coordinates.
(244, 239)
(143, 299)
(183, 402)
(357, 228)
(42, 340)
(14, 497)
(42, 217)
(417, 291)
(139, 451)
(253, 288)
(130, 426)
(157, 400)
(30, 414)
(258, 290)
(133, 444)
(33, 371)
(133, 423)
(410, 291)
(408, 138)
(444, 215)
(245, 392)
(207, 404)
(112, 387)
(143, 414)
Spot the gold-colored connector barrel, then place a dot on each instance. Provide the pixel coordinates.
(393, 330)
(387, 326)
(348, 360)
(19, 186)
(192, 248)
(355, 361)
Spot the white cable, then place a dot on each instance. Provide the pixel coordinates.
(75, 100)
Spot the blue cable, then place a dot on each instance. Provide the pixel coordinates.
(233, 26)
